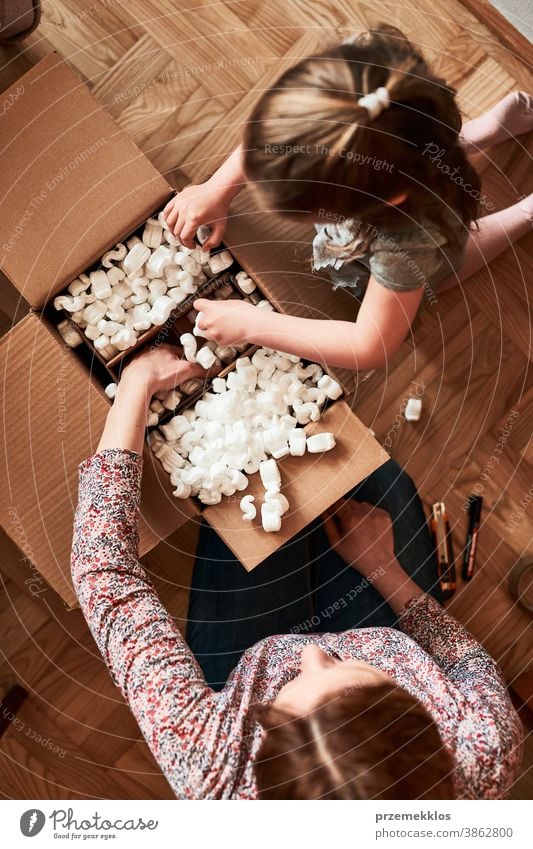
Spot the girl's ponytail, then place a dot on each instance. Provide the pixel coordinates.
(347, 131)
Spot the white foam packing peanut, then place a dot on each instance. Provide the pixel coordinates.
(153, 233)
(248, 508)
(156, 271)
(206, 357)
(69, 333)
(189, 345)
(270, 518)
(332, 389)
(124, 339)
(136, 258)
(158, 261)
(171, 399)
(239, 428)
(277, 501)
(111, 390)
(197, 330)
(161, 309)
(245, 283)
(219, 262)
(100, 285)
(319, 442)
(413, 410)
(270, 475)
(297, 442)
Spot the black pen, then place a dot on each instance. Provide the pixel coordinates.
(474, 518)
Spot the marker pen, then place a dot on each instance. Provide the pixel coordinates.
(440, 530)
(474, 517)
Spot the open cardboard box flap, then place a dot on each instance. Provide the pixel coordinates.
(72, 182)
(53, 417)
(311, 483)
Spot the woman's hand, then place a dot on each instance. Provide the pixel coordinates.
(361, 533)
(160, 369)
(155, 370)
(228, 322)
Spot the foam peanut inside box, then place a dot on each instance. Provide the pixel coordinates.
(266, 408)
(73, 187)
(138, 288)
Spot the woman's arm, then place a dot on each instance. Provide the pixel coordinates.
(489, 736)
(382, 324)
(155, 370)
(139, 641)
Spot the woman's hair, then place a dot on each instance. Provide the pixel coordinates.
(310, 147)
(374, 743)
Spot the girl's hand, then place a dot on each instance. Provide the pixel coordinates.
(361, 533)
(160, 369)
(207, 203)
(228, 322)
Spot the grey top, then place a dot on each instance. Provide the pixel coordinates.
(402, 260)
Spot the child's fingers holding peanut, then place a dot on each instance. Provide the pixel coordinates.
(186, 228)
(218, 228)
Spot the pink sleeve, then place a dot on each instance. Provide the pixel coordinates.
(142, 648)
(489, 736)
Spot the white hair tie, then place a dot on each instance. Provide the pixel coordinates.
(375, 102)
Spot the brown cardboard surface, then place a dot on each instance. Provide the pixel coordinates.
(311, 483)
(54, 411)
(53, 416)
(72, 182)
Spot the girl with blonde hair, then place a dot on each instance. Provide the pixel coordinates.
(365, 142)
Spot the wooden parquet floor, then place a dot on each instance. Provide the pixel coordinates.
(181, 81)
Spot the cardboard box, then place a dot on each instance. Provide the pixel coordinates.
(156, 334)
(73, 185)
(53, 415)
(311, 483)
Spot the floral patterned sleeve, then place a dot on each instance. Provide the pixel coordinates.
(143, 649)
(490, 735)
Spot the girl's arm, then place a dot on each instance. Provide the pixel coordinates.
(142, 647)
(383, 322)
(230, 176)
